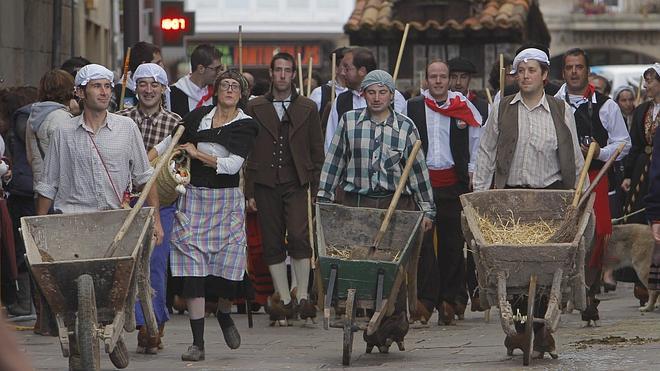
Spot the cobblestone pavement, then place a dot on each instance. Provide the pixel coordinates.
(625, 340)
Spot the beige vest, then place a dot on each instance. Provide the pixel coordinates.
(508, 138)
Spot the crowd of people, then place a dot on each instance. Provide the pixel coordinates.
(80, 142)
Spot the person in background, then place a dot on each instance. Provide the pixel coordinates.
(600, 83)
(321, 94)
(155, 123)
(449, 127)
(72, 66)
(195, 89)
(598, 120)
(624, 96)
(141, 52)
(15, 106)
(461, 71)
(286, 162)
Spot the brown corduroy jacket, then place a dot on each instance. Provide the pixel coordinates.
(305, 141)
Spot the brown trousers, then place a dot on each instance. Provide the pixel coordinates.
(282, 212)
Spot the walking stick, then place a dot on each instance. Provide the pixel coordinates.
(334, 77)
(240, 51)
(300, 76)
(124, 79)
(401, 47)
(638, 99)
(501, 76)
(143, 196)
(309, 77)
(489, 96)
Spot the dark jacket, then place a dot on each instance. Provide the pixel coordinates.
(652, 199)
(305, 141)
(21, 181)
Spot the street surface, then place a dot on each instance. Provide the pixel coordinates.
(625, 340)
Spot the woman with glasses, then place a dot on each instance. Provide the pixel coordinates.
(208, 240)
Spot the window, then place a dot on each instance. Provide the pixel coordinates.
(237, 4)
(269, 4)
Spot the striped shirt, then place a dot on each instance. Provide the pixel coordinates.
(155, 127)
(75, 177)
(535, 161)
(368, 158)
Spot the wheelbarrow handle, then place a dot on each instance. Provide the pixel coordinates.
(145, 192)
(397, 194)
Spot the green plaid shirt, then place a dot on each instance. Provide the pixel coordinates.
(368, 158)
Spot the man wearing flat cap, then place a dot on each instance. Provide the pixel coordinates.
(366, 159)
(529, 141)
(461, 71)
(92, 160)
(155, 123)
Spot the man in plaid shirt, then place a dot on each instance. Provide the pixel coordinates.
(155, 124)
(154, 121)
(368, 153)
(367, 156)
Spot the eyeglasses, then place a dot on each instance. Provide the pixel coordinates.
(217, 68)
(225, 86)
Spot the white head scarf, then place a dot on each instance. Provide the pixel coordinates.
(620, 90)
(527, 55)
(656, 67)
(149, 70)
(93, 72)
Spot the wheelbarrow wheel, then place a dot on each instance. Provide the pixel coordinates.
(349, 322)
(529, 324)
(88, 344)
(119, 356)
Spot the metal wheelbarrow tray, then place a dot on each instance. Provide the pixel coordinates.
(504, 270)
(92, 297)
(366, 283)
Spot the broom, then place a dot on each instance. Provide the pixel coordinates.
(568, 226)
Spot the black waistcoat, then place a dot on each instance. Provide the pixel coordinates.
(459, 140)
(587, 121)
(344, 103)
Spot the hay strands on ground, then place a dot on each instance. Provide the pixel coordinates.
(509, 230)
(568, 227)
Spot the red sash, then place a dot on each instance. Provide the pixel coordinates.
(603, 220)
(443, 178)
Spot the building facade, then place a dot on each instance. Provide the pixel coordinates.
(26, 36)
(310, 27)
(612, 31)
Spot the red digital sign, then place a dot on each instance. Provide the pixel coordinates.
(175, 23)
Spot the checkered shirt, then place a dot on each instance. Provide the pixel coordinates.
(154, 128)
(368, 158)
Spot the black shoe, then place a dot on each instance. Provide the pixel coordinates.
(193, 354)
(306, 309)
(229, 331)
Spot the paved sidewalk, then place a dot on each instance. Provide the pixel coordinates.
(470, 345)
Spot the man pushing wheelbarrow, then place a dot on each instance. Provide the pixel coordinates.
(366, 159)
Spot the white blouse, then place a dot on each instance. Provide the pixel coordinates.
(226, 162)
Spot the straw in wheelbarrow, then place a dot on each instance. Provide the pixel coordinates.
(397, 195)
(568, 227)
(143, 196)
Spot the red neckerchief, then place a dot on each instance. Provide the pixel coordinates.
(588, 92)
(457, 109)
(209, 94)
(471, 96)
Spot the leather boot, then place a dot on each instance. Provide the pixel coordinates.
(23, 305)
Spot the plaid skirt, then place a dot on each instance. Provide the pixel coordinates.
(208, 238)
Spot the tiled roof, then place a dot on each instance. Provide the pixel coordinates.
(496, 14)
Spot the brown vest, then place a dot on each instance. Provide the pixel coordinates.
(508, 138)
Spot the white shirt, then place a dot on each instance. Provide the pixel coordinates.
(438, 127)
(535, 162)
(317, 95)
(226, 162)
(612, 119)
(400, 106)
(194, 92)
(281, 105)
